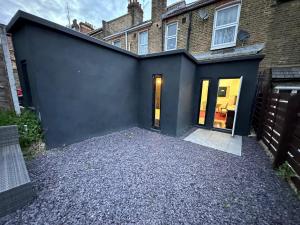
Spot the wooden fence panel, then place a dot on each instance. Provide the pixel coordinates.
(276, 121)
(294, 152)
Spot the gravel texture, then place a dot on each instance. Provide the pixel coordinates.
(138, 176)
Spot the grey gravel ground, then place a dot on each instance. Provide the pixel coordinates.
(138, 176)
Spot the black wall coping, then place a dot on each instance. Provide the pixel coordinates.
(21, 17)
(167, 53)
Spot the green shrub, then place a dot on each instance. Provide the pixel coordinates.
(285, 171)
(28, 126)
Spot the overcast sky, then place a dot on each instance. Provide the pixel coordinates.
(92, 11)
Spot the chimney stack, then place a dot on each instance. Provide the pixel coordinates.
(158, 8)
(136, 11)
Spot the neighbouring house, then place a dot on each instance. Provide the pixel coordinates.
(8, 73)
(283, 46)
(92, 88)
(83, 27)
(5, 96)
(215, 29)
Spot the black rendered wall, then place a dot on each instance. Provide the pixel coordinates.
(83, 88)
(169, 67)
(186, 95)
(80, 89)
(214, 71)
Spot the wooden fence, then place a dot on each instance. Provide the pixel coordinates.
(276, 122)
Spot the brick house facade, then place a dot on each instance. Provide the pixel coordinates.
(270, 27)
(9, 82)
(5, 97)
(83, 27)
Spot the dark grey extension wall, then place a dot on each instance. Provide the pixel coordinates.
(178, 72)
(82, 87)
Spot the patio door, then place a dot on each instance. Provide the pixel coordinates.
(227, 104)
(156, 105)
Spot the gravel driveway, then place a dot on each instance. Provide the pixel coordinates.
(138, 176)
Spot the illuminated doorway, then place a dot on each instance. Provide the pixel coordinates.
(226, 104)
(203, 102)
(157, 86)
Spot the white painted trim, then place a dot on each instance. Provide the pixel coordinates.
(139, 41)
(9, 69)
(228, 4)
(287, 88)
(237, 107)
(236, 24)
(128, 30)
(166, 35)
(126, 40)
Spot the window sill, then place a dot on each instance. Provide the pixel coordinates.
(167, 50)
(222, 46)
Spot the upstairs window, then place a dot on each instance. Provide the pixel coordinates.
(143, 43)
(226, 24)
(171, 37)
(117, 43)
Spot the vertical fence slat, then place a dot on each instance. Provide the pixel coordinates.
(289, 127)
(262, 94)
(276, 121)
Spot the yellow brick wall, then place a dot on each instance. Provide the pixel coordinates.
(182, 32)
(254, 18)
(283, 45)
(119, 24)
(121, 38)
(133, 40)
(276, 25)
(155, 37)
(5, 96)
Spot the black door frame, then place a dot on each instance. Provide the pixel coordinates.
(209, 102)
(218, 82)
(154, 77)
(199, 103)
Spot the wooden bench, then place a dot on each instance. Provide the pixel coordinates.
(16, 189)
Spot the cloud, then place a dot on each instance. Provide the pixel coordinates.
(92, 11)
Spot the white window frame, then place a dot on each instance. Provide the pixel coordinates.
(166, 36)
(117, 40)
(215, 28)
(144, 31)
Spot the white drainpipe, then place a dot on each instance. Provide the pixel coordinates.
(126, 40)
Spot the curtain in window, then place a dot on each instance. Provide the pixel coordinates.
(225, 35)
(171, 36)
(227, 16)
(143, 43)
(225, 26)
(172, 30)
(171, 44)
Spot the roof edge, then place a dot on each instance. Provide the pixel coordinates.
(129, 30)
(232, 59)
(167, 53)
(23, 16)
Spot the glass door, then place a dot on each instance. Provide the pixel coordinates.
(226, 104)
(157, 86)
(203, 102)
